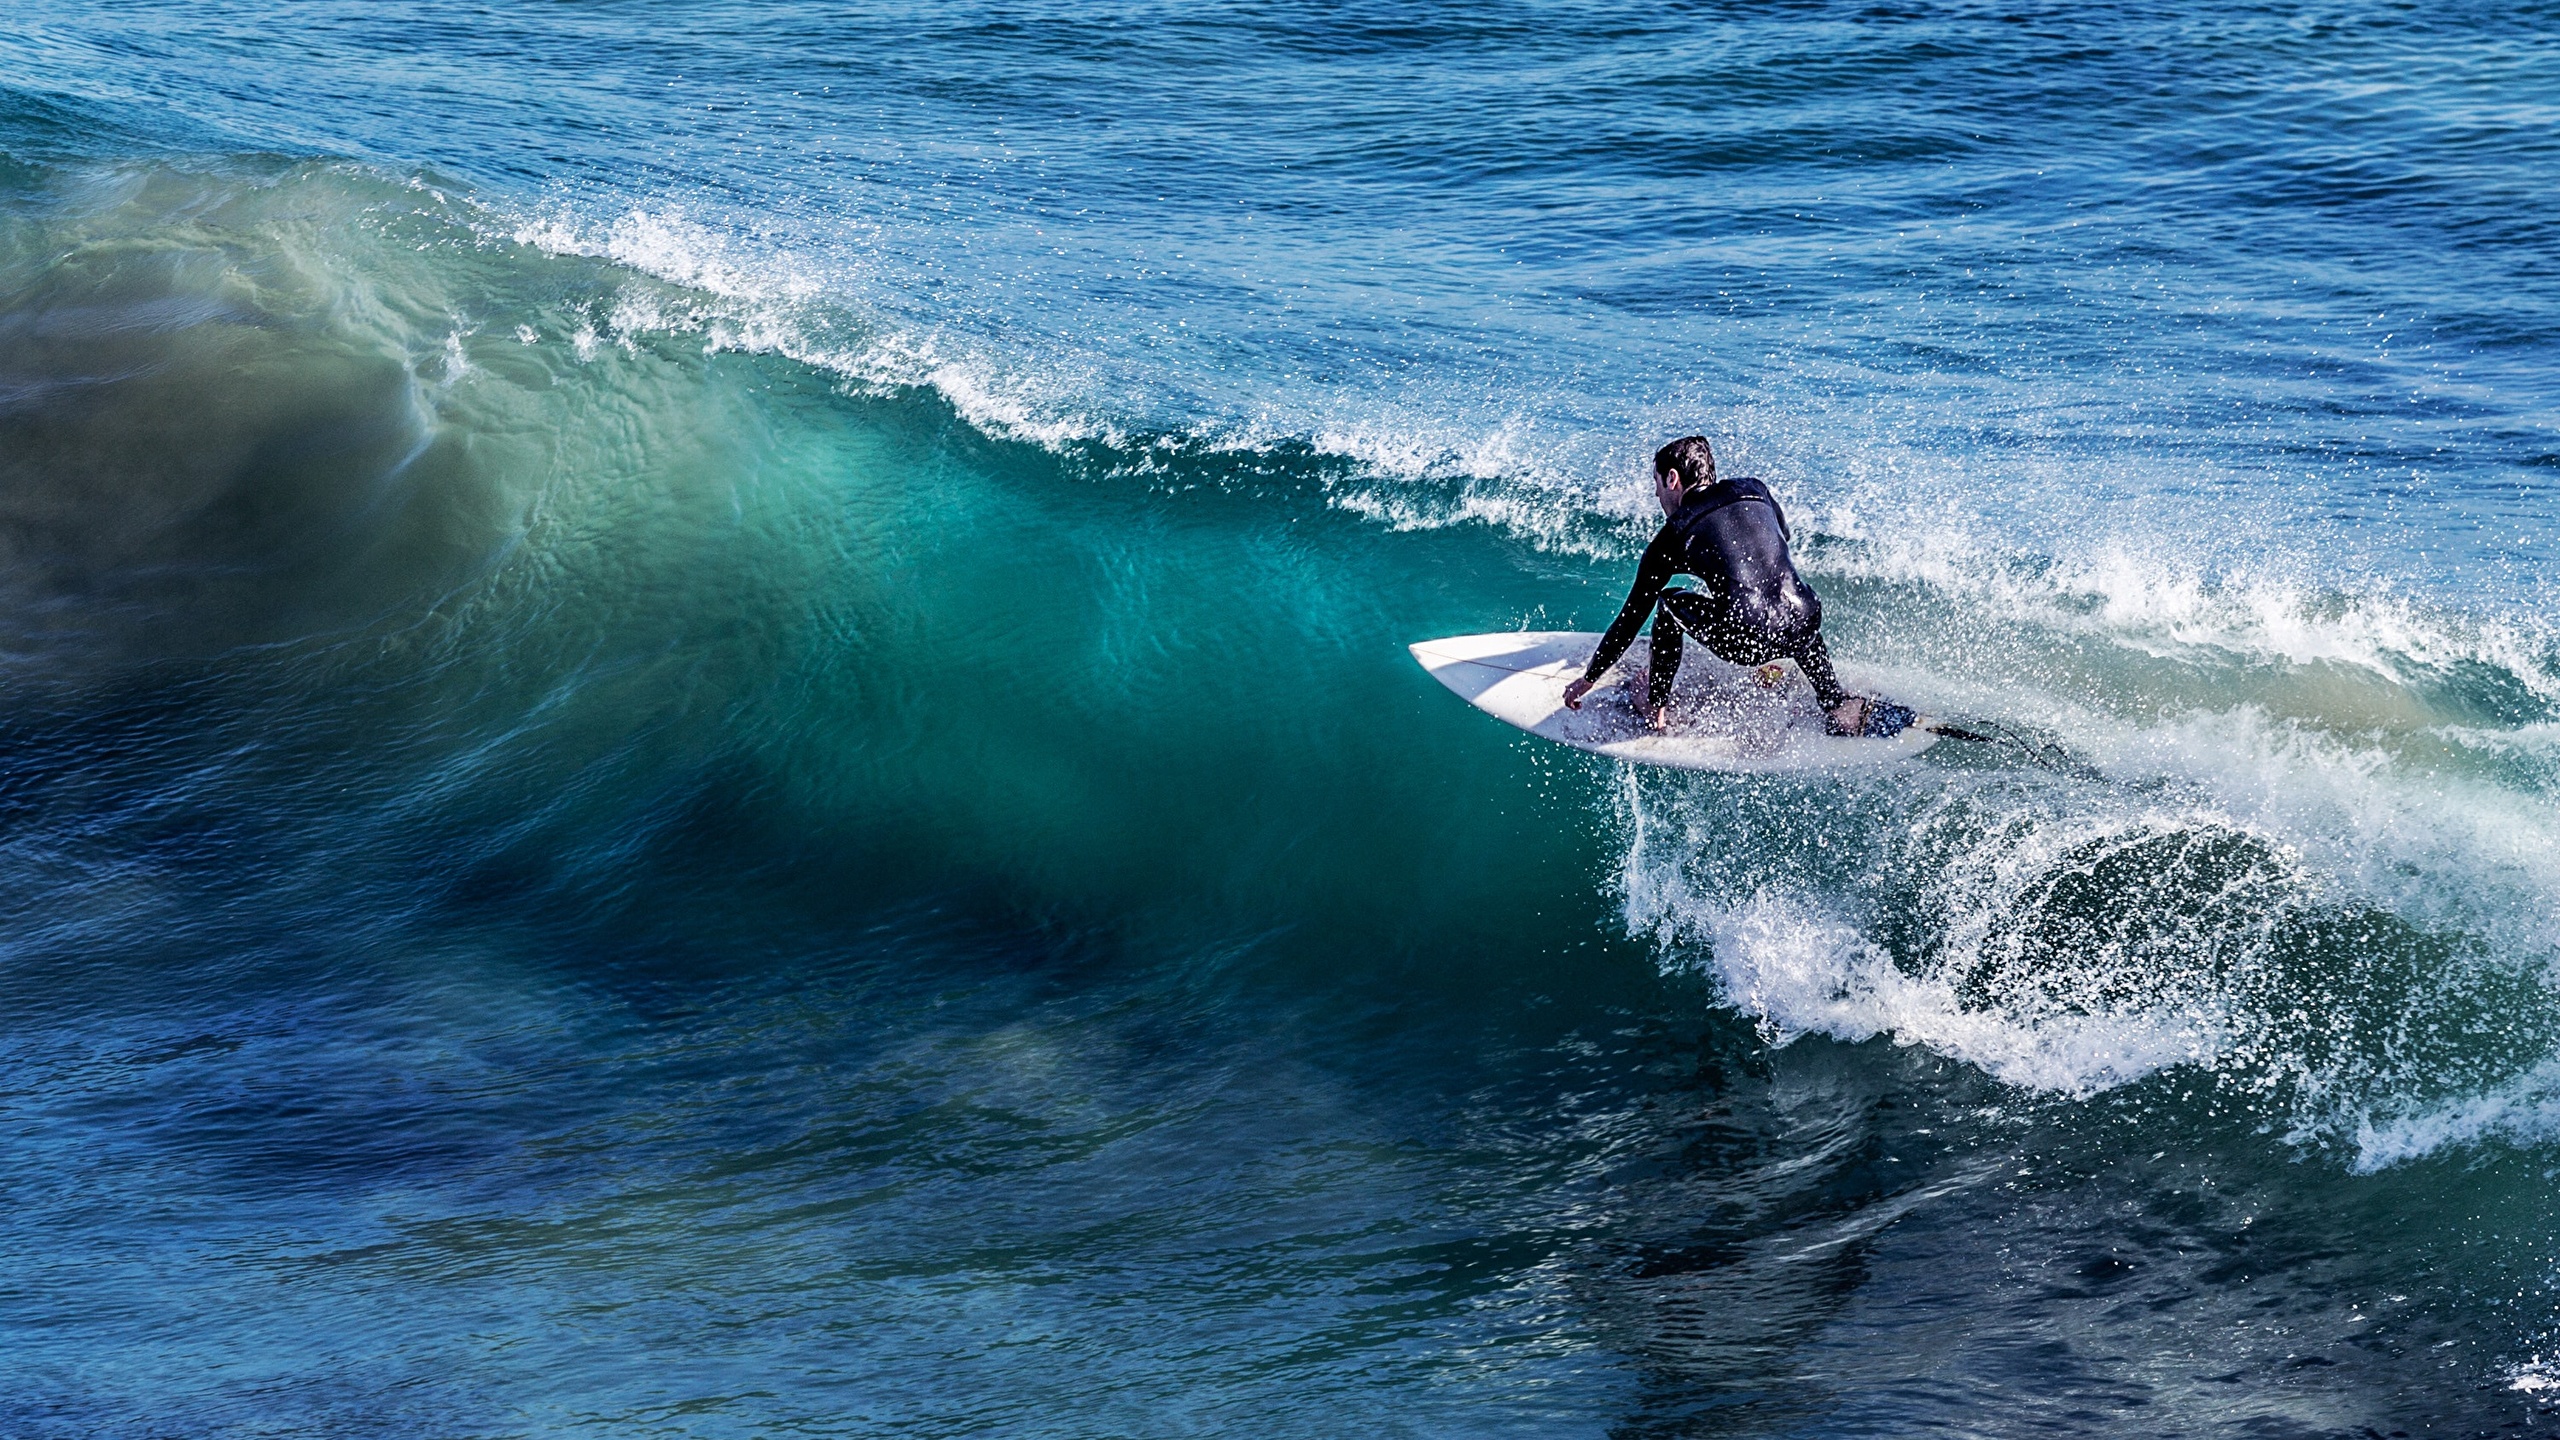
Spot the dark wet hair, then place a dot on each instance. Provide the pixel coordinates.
(1690, 458)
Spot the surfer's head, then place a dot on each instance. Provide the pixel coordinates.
(1684, 465)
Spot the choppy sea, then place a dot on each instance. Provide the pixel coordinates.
(704, 727)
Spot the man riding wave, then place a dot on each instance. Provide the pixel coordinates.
(1752, 607)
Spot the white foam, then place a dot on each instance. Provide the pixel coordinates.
(2431, 844)
(2125, 591)
(2249, 822)
(756, 302)
(1516, 473)
(2531, 742)
(2523, 1112)
(668, 244)
(1797, 966)
(1797, 970)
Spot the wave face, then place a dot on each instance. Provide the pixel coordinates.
(707, 729)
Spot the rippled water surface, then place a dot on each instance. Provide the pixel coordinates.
(707, 730)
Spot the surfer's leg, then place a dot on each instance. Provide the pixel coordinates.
(1843, 713)
(1663, 665)
(1814, 659)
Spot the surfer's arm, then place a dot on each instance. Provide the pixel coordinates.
(1661, 561)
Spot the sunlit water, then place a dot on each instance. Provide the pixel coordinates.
(707, 728)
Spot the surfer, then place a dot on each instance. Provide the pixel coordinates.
(1754, 610)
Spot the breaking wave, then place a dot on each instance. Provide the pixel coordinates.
(2294, 838)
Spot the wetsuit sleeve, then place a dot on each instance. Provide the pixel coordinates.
(1661, 561)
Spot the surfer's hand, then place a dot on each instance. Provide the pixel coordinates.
(1574, 692)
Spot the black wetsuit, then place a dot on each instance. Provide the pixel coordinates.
(1756, 609)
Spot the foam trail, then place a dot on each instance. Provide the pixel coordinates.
(760, 301)
(2525, 1113)
(1796, 971)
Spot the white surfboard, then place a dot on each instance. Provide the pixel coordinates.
(1722, 716)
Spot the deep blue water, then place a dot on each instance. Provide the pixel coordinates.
(706, 728)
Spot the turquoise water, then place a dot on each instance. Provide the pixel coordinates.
(708, 730)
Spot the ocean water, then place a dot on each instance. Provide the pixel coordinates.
(707, 732)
